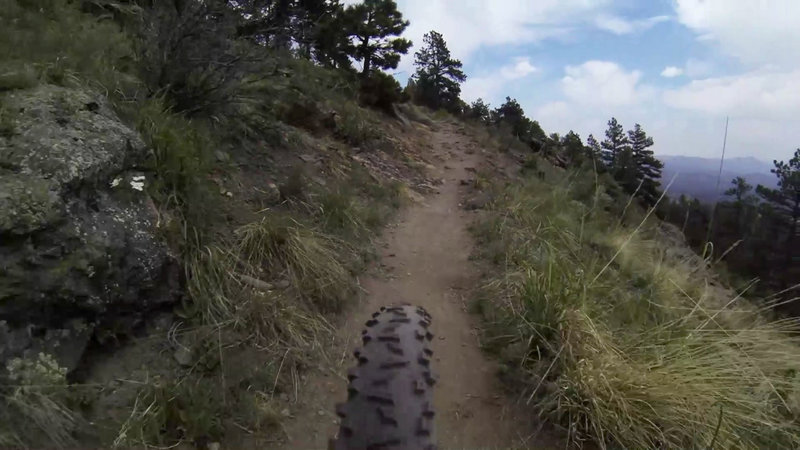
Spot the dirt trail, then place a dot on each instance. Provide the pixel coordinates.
(426, 257)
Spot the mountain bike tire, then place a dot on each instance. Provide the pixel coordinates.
(390, 393)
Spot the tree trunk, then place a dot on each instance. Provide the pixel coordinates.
(365, 69)
(790, 239)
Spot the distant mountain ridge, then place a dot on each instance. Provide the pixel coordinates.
(697, 177)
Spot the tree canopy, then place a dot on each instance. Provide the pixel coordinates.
(438, 74)
(374, 26)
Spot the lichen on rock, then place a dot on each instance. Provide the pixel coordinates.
(74, 249)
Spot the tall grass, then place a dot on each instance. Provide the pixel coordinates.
(36, 406)
(623, 340)
(53, 41)
(312, 261)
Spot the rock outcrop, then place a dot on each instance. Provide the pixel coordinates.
(79, 253)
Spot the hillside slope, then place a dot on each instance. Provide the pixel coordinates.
(613, 329)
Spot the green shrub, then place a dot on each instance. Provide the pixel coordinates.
(8, 124)
(181, 159)
(354, 126)
(37, 407)
(381, 91)
(169, 411)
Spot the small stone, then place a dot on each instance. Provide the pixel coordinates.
(222, 156)
(284, 397)
(478, 202)
(285, 412)
(282, 284)
(320, 413)
(273, 194)
(213, 446)
(183, 356)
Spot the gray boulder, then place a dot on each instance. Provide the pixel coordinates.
(79, 253)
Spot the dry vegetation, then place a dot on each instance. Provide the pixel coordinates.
(622, 335)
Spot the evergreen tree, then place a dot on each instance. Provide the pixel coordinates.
(372, 25)
(267, 22)
(438, 74)
(785, 202)
(479, 110)
(645, 167)
(593, 149)
(740, 191)
(528, 131)
(511, 114)
(742, 205)
(614, 146)
(313, 27)
(307, 20)
(572, 147)
(330, 44)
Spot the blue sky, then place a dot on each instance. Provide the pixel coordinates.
(677, 67)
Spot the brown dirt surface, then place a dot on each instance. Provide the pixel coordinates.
(424, 260)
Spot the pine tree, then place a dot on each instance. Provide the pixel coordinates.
(479, 110)
(743, 203)
(740, 191)
(267, 22)
(593, 149)
(572, 147)
(371, 25)
(646, 169)
(512, 114)
(785, 202)
(438, 74)
(330, 44)
(615, 144)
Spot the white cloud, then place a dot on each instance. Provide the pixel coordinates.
(761, 34)
(671, 72)
(685, 120)
(756, 32)
(592, 93)
(602, 83)
(696, 68)
(522, 67)
(619, 25)
(488, 86)
(468, 25)
(758, 94)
